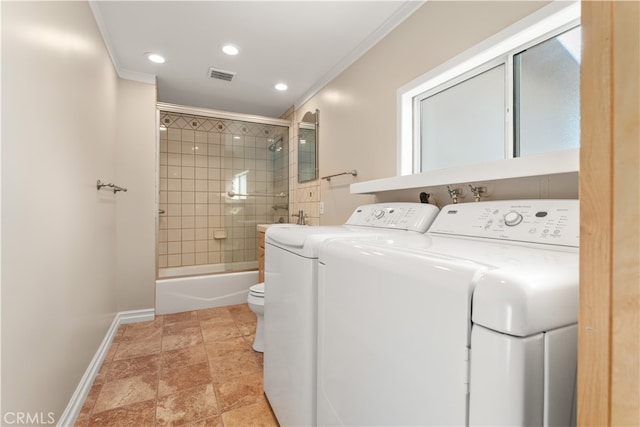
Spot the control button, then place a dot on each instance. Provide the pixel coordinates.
(378, 213)
(556, 231)
(512, 218)
(541, 214)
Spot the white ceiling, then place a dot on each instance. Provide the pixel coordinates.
(302, 43)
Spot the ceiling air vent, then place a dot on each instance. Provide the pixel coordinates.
(216, 73)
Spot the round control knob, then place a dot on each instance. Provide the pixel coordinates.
(512, 218)
(379, 213)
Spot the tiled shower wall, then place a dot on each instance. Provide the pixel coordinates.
(201, 160)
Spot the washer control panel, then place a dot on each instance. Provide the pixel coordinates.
(554, 222)
(402, 216)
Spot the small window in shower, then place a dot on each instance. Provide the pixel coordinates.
(240, 185)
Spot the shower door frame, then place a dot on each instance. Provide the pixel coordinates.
(196, 111)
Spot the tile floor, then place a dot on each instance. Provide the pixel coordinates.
(186, 369)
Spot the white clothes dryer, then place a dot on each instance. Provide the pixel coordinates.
(472, 323)
(290, 302)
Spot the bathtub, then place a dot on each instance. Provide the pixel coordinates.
(178, 294)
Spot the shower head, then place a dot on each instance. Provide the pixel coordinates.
(275, 147)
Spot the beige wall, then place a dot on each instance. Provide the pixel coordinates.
(136, 147)
(358, 108)
(62, 278)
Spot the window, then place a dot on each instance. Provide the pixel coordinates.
(239, 185)
(461, 123)
(547, 95)
(514, 95)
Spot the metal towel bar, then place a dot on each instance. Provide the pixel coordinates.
(234, 194)
(351, 172)
(115, 188)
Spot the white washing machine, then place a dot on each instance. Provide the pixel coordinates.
(472, 323)
(290, 302)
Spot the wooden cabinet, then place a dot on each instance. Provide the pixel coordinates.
(260, 256)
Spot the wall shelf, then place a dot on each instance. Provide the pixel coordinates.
(559, 162)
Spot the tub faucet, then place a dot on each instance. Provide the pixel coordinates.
(302, 217)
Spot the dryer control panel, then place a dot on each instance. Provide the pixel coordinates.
(400, 216)
(555, 222)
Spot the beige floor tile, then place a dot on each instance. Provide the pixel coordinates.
(221, 348)
(173, 380)
(187, 406)
(102, 373)
(209, 422)
(180, 317)
(113, 348)
(155, 323)
(220, 332)
(193, 369)
(134, 366)
(123, 392)
(138, 414)
(184, 356)
(220, 321)
(214, 313)
(138, 348)
(257, 414)
(239, 308)
(244, 316)
(136, 334)
(90, 400)
(246, 328)
(119, 333)
(83, 420)
(180, 328)
(259, 359)
(240, 391)
(232, 365)
(186, 338)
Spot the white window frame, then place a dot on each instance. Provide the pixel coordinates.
(555, 18)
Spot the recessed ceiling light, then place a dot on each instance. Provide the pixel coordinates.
(281, 86)
(154, 57)
(230, 49)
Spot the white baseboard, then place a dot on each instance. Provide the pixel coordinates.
(71, 412)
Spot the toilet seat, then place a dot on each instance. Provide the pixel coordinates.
(257, 290)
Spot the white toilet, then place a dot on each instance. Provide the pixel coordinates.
(255, 299)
